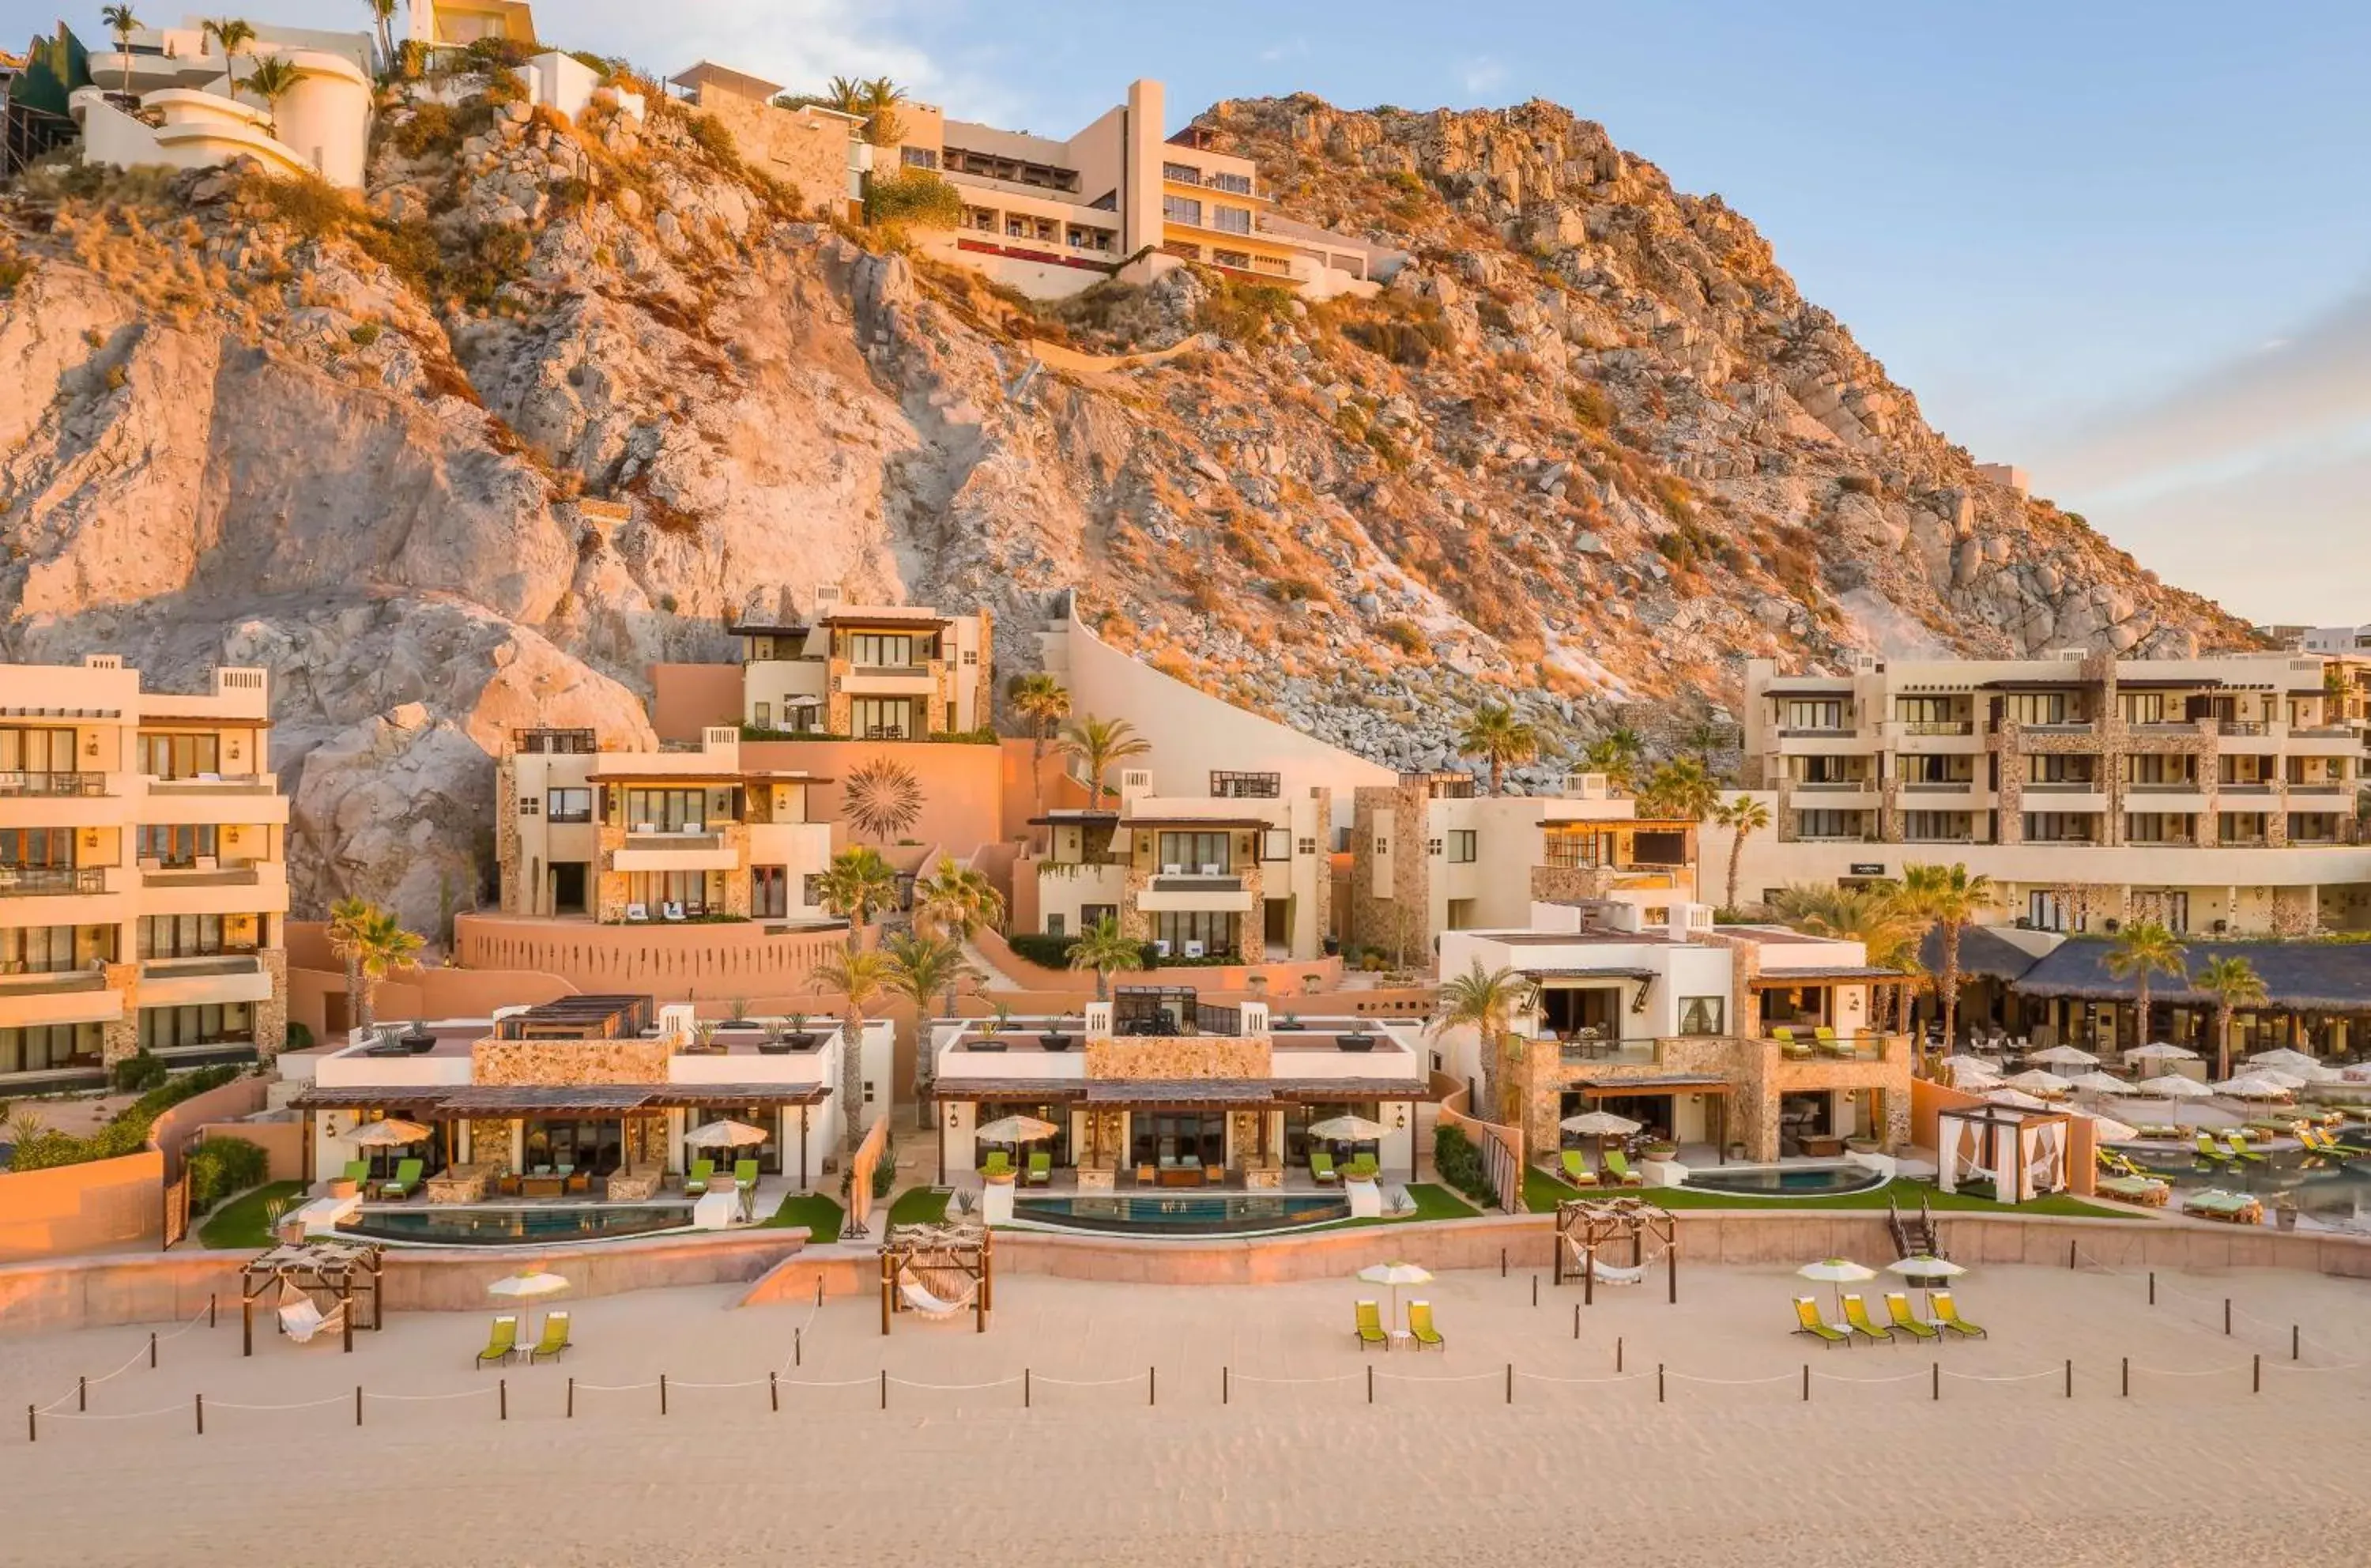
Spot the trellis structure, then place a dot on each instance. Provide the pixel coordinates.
(348, 1271)
(1585, 1226)
(937, 1270)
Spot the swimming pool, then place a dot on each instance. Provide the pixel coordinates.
(2339, 1195)
(1183, 1214)
(1784, 1181)
(517, 1226)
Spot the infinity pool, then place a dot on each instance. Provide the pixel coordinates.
(1784, 1181)
(522, 1225)
(1182, 1214)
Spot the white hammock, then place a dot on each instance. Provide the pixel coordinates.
(918, 1297)
(301, 1319)
(1610, 1274)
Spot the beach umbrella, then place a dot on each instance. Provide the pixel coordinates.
(1016, 1130)
(2064, 1056)
(2107, 1129)
(2037, 1081)
(1838, 1272)
(527, 1281)
(2099, 1083)
(1599, 1124)
(2285, 1059)
(2252, 1086)
(2159, 1051)
(1347, 1129)
(1394, 1274)
(1922, 1272)
(2274, 1075)
(2172, 1086)
(2017, 1098)
(393, 1133)
(724, 1134)
(2201, 1115)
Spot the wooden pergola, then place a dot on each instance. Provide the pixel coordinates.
(349, 1271)
(951, 1264)
(1585, 1226)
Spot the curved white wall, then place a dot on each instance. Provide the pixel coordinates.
(325, 119)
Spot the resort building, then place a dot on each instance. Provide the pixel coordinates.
(143, 889)
(1241, 873)
(1430, 855)
(2215, 795)
(459, 23)
(1161, 1089)
(589, 1096)
(1731, 1042)
(868, 672)
(172, 97)
(666, 836)
(818, 152)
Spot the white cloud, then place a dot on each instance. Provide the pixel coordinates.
(1482, 74)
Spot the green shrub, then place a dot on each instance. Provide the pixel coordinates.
(912, 196)
(1243, 312)
(220, 1168)
(1404, 635)
(364, 335)
(428, 128)
(885, 1171)
(1048, 951)
(1590, 406)
(138, 1073)
(127, 1133)
(1459, 1163)
(300, 1037)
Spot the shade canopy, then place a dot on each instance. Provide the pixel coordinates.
(2107, 1129)
(1919, 1267)
(2016, 1098)
(1395, 1274)
(2036, 1080)
(1836, 1271)
(2064, 1056)
(1599, 1124)
(2159, 1051)
(724, 1134)
(528, 1282)
(2285, 1059)
(2172, 1085)
(1016, 1130)
(2254, 1086)
(392, 1132)
(1347, 1129)
(2099, 1083)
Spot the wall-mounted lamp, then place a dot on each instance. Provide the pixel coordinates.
(1399, 1119)
(954, 1117)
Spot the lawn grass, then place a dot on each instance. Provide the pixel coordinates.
(239, 1225)
(919, 1205)
(1542, 1192)
(1432, 1202)
(819, 1213)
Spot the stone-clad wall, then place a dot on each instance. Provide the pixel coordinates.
(568, 1061)
(1177, 1057)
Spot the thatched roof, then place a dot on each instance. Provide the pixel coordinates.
(2305, 977)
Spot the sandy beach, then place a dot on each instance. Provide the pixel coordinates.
(1296, 1466)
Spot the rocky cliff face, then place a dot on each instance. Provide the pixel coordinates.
(561, 398)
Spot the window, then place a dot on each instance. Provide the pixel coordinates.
(655, 890)
(197, 936)
(811, 894)
(37, 751)
(554, 742)
(1180, 928)
(884, 718)
(675, 810)
(27, 847)
(179, 845)
(2061, 827)
(1232, 219)
(1184, 174)
(1703, 1015)
(1432, 846)
(971, 658)
(1240, 184)
(1190, 852)
(761, 714)
(2053, 912)
(1054, 926)
(54, 949)
(1306, 847)
(1828, 824)
(1930, 716)
(1095, 914)
(164, 755)
(1815, 715)
(1275, 844)
(769, 891)
(1461, 842)
(1936, 827)
(1182, 210)
(530, 806)
(2039, 708)
(570, 805)
(919, 157)
(889, 650)
(48, 1047)
(162, 1029)
(1241, 260)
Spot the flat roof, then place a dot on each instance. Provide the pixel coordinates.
(1194, 822)
(1586, 974)
(1767, 980)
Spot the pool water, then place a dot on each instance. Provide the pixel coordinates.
(1183, 1214)
(461, 1226)
(2340, 1195)
(1784, 1180)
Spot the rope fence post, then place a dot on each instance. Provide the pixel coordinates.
(2070, 1376)
(32, 1424)
(210, 1309)
(2295, 1341)
(1659, 1382)
(798, 1345)
(1576, 1320)
(1153, 1385)
(662, 1393)
(2256, 1375)
(1510, 1382)
(2128, 1378)
(82, 1393)
(1617, 1353)
(2070, 1257)
(1371, 1383)
(152, 1350)
(358, 1405)
(1502, 1262)
(774, 1392)
(572, 1398)
(1807, 1382)
(502, 1399)
(2226, 1316)
(1535, 1290)
(1226, 1377)
(2152, 1288)
(884, 1388)
(200, 1405)
(1937, 1383)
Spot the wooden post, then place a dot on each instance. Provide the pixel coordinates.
(246, 1320)
(571, 1397)
(346, 1315)
(152, 1350)
(884, 1388)
(799, 1346)
(1025, 1401)
(200, 1405)
(1226, 1378)
(1617, 1353)
(2295, 1343)
(1535, 1290)
(662, 1393)
(1371, 1383)
(773, 1393)
(1659, 1382)
(210, 1309)
(502, 1399)
(2152, 1288)
(1510, 1382)
(2070, 1377)
(2128, 1378)
(1938, 1380)
(2257, 1374)
(2226, 1316)
(358, 1405)
(1576, 1320)
(1151, 1385)
(888, 1270)
(1588, 1275)
(1671, 1263)
(82, 1393)
(1807, 1382)
(32, 1424)
(2070, 1257)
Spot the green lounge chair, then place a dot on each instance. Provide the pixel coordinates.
(1808, 1321)
(358, 1173)
(406, 1182)
(998, 1165)
(1829, 1043)
(1897, 1307)
(2240, 1149)
(503, 1343)
(1362, 1168)
(1371, 1326)
(554, 1339)
(744, 1174)
(1857, 1320)
(1577, 1171)
(695, 1180)
(1420, 1327)
(1620, 1166)
(1321, 1167)
(2212, 1152)
(1947, 1317)
(1041, 1167)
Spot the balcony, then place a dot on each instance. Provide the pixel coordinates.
(1580, 1048)
(211, 978)
(2063, 787)
(1836, 786)
(1806, 1047)
(1937, 727)
(2238, 726)
(1183, 891)
(200, 872)
(2247, 787)
(206, 784)
(37, 881)
(2339, 787)
(81, 995)
(52, 785)
(1939, 786)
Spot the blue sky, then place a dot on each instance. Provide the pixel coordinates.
(2125, 245)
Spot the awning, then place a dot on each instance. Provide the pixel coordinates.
(1125, 1094)
(503, 1102)
(1794, 977)
(318, 1098)
(1194, 822)
(1613, 1089)
(1586, 974)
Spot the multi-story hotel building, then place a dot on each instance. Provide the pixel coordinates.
(143, 888)
(868, 672)
(2216, 795)
(661, 836)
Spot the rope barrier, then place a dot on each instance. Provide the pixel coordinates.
(623, 1388)
(843, 1383)
(2210, 1372)
(306, 1404)
(960, 1388)
(1468, 1378)
(428, 1398)
(1624, 1377)
(2010, 1377)
(1284, 1383)
(746, 1383)
(1750, 1382)
(1832, 1378)
(84, 1386)
(127, 1415)
(1098, 1383)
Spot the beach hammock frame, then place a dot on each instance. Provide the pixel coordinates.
(937, 1271)
(346, 1272)
(1585, 1227)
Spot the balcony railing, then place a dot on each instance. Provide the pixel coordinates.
(1843, 786)
(674, 838)
(34, 882)
(1940, 786)
(2063, 787)
(1246, 785)
(1938, 727)
(1805, 1046)
(1646, 1053)
(863, 669)
(2320, 787)
(1197, 881)
(233, 962)
(2252, 786)
(1790, 732)
(229, 784)
(23, 982)
(74, 784)
(211, 876)
(2060, 726)
(2321, 732)
(2238, 726)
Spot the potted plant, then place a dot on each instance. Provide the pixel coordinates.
(703, 1039)
(1289, 1020)
(1056, 1037)
(1658, 1148)
(1358, 1039)
(419, 1040)
(800, 1038)
(774, 1044)
(992, 1027)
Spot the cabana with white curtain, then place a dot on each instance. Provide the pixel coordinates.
(2022, 1153)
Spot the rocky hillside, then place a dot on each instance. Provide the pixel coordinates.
(559, 398)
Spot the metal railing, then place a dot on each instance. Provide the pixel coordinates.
(1938, 727)
(1210, 1018)
(2238, 726)
(1841, 785)
(32, 882)
(2063, 786)
(1191, 882)
(52, 784)
(1938, 785)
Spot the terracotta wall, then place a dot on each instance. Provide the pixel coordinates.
(700, 963)
(687, 699)
(963, 786)
(80, 1208)
(282, 1143)
(174, 1130)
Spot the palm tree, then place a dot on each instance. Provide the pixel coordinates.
(957, 901)
(857, 979)
(1497, 736)
(1680, 787)
(1102, 949)
(1040, 699)
(122, 24)
(1743, 816)
(879, 98)
(346, 917)
(272, 79)
(845, 93)
(1948, 898)
(1617, 753)
(922, 967)
(2233, 984)
(857, 886)
(2142, 949)
(1879, 918)
(383, 19)
(234, 35)
(1099, 743)
(1488, 999)
(374, 945)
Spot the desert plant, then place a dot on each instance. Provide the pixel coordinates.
(858, 886)
(1949, 899)
(1042, 703)
(374, 945)
(1488, 1000)
(912, 196)
(1101, 949)
(955, 901)
(273, 78)
(858, 978)
(1617, 753)
(1680, 787)
(881, 798)
(1743, 816)
(1497, 736)
(122, 24)
(2142, 948)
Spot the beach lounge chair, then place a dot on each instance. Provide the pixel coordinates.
(1371, 1326)
(2232, 1208)
(1788, 1046)
(1420, 1327)
(358, 1173)
(1808, 1321)
(406, 1182)
(1321, 1167)
(1362, 1168)
(1828, 1042)
(1897, 1308)
(1857, 1320)
(2240, 1149)
(2212, 1152)
(2147, 1191)
(998, 1165)
(1577, 1171)
(503, 1343)
(1616, 1163)
(695, 1180)
(554, 1339)
(1041, 1168)
(744, 1174)
(1947, 1317)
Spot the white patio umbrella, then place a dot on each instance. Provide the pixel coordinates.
(1838, 1272)
(393, 1133)
(2172, 1086)
(2197, 1114)
(527, 1281)
(1016, 1130)
(1599, 1124)
(724, 1134)
(1922, 1272)
(2017, 1098)
(1347, 1129)
(1394, 1274)
(2064, 1056)
(2107, 1129)
(2159, 1051)
(2252, 1086)
(2285, 1059)
(2273, 1075)
(2034, 1080)
(2099, 1083)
